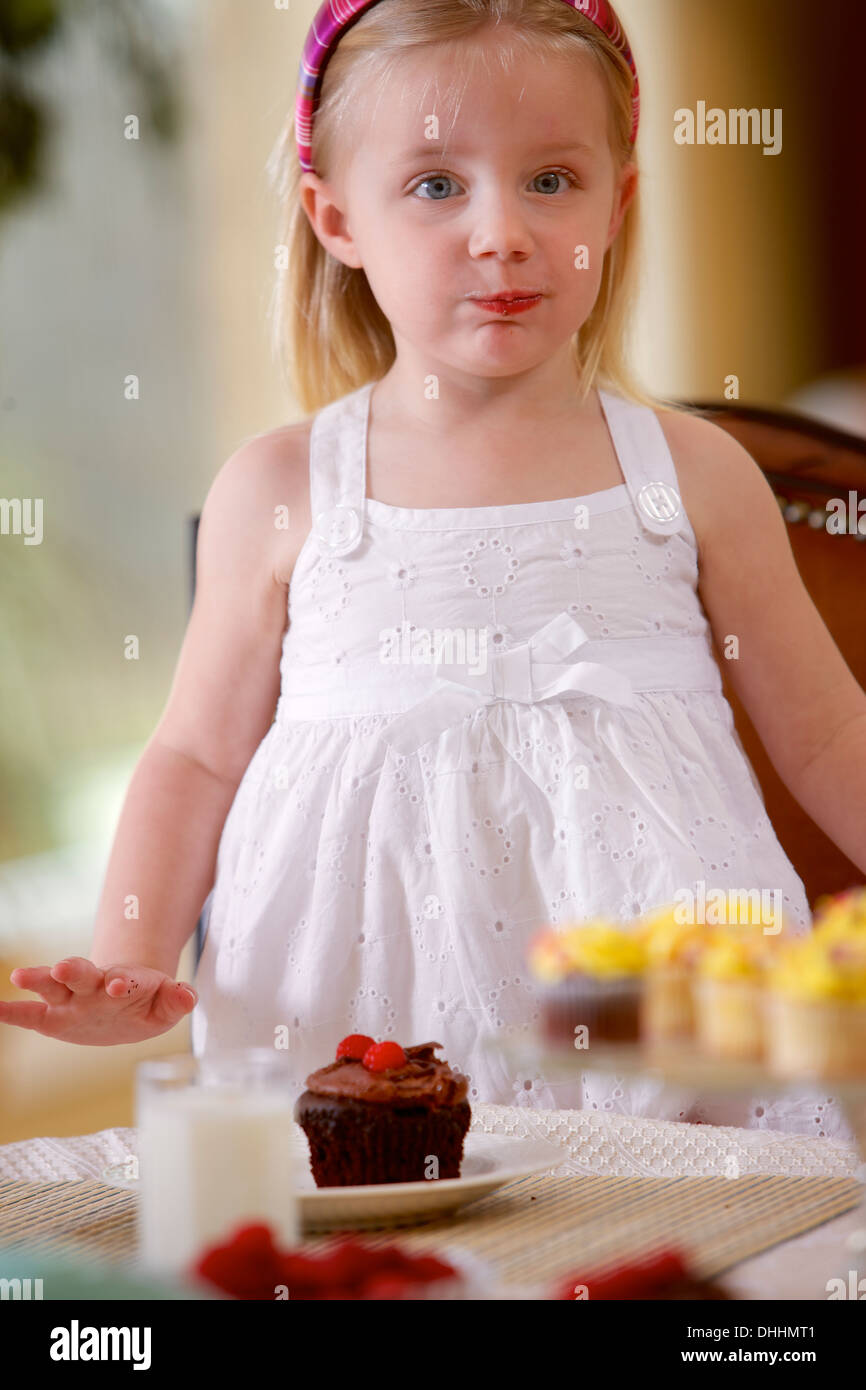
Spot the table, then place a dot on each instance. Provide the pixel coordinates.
(598, 1146)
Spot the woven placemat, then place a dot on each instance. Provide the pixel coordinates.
(533, 1231)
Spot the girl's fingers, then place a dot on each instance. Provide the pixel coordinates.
(27, 1014)
(38, 978)
(78, 974)
(187, 994)
(131, 982)
(121, 986)
(173, 999)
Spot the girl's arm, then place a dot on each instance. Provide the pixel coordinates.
(221, 704)
(807, 708)
(220, 707)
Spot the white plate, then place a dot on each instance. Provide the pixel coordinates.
(489, 1161)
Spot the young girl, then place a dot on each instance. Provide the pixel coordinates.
(504, 566)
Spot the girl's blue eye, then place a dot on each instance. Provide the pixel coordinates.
(440, 179)
(434, 179)
(556, 174)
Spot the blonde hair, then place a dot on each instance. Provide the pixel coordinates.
(328, 332)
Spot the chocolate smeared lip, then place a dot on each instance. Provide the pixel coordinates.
(423, 1080)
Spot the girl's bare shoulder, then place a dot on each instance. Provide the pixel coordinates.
(270, 473)
(714, 471)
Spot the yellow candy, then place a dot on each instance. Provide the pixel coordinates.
(823, 966)
(594, 947)
(841, 913)
(729, 958)
(668, 940)
(607, 950)
(547, 959)
(852, 900)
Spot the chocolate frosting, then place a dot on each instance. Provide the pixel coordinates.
(424, 1080)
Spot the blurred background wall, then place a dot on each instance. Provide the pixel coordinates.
(153, 257)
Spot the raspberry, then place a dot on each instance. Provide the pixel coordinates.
(245, 1266)
(250, 1266)
(253, 1240)
(349, 1262)
(302, 1271)
(354, 1046)
(384, 1056)
(391, 1257)
(426, 1269)
(389, 1286)
(630, 1281)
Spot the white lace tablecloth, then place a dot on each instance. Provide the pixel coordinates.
(600, 1145)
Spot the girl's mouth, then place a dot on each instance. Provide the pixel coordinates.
(508, 306)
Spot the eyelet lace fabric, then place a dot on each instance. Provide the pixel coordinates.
(399, 834)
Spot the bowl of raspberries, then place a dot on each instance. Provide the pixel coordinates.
(249, 1265)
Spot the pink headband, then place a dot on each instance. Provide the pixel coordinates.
(335, 16)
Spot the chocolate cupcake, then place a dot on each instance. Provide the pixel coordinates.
(590, 976)
(381, 1114)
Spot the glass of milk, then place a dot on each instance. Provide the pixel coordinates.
(216, 1143)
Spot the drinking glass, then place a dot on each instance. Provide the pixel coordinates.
(216, 1143)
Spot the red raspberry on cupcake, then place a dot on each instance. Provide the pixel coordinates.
(354, 1046)
(384, 1056)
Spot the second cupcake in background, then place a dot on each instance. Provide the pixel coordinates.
(730, 994)
(673, 949)
(817, 1006)
(738, 991)
(841, 912)
(591, 981)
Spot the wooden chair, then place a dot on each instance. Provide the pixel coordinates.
(806, 463)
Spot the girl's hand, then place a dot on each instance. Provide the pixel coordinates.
(83, 1004)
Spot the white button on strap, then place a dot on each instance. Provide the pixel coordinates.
(659, 502)
(338, 528)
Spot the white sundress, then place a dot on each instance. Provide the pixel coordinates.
(405, 826)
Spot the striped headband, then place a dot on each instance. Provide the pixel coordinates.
(335, 16)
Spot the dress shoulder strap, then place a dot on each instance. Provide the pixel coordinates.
(646, 463)
(338, 471)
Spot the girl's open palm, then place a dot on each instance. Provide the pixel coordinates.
(84, 1004)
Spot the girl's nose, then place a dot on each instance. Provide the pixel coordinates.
(499, 225)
